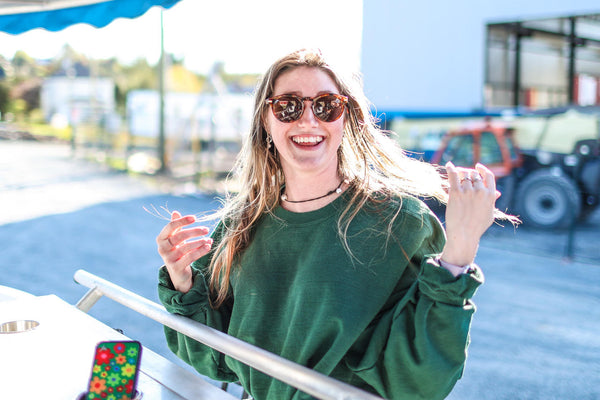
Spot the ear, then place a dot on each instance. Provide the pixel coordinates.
(264, 122)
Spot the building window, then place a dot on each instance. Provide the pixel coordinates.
(543, 63)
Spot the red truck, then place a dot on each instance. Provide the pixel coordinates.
(547, 190)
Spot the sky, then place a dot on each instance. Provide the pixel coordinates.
(246, 35)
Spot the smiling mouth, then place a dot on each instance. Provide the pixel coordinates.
(307, 140)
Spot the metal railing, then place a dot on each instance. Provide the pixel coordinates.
(298, 376)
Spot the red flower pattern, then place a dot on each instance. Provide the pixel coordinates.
(119, 348)
(110, 358)
(103, 355)
(129, 386)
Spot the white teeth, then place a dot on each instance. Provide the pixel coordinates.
(307, 139)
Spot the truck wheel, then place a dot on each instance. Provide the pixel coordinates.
(548, 200)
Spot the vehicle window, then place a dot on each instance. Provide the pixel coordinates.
(511, 148)
(490, 149)
(459, 151)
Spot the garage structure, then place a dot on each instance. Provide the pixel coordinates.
(465, 57)
(543, 63)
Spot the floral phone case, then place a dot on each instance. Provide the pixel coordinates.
(115, 371)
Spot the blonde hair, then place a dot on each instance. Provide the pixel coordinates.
(375, 165)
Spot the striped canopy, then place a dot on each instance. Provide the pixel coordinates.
(18, 16)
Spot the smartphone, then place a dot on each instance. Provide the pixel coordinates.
(115, 370)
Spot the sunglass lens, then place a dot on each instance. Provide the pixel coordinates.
(328, 108)
(287, 109)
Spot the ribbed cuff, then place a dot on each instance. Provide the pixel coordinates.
(180, 303)
(441, 285)
(454, 269)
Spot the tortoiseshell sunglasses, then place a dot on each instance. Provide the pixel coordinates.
(327, 107)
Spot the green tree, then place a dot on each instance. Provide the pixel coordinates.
(139, 75)
(4, 99)
(26, 67)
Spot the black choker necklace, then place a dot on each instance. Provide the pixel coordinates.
(336, 190)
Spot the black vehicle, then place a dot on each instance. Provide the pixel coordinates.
(547, 189)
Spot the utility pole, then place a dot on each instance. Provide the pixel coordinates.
(161, 94)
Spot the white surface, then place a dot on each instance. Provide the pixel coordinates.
(9, 294)
(53, 361)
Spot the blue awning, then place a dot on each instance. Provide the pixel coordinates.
(57, 15)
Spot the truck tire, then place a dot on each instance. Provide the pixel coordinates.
(548, 199)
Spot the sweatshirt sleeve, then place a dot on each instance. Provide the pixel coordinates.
(416, 349)
(195, 304)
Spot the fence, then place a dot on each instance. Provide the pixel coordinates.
(305, 379)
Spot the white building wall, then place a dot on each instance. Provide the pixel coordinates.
(77, 98)
(430, 55)
(205, 116)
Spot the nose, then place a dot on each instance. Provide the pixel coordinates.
(308, 116)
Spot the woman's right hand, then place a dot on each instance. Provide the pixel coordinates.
(178, 251)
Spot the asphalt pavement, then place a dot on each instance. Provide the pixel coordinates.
(534, 335)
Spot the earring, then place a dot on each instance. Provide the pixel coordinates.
(269, 141)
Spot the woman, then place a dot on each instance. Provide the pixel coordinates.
(326, 256)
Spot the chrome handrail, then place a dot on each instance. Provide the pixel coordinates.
(298, 376)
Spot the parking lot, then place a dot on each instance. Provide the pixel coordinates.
(534, 336)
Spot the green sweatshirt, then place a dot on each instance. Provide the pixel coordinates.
(386, 318)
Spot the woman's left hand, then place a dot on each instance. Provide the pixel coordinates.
(469, 212)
